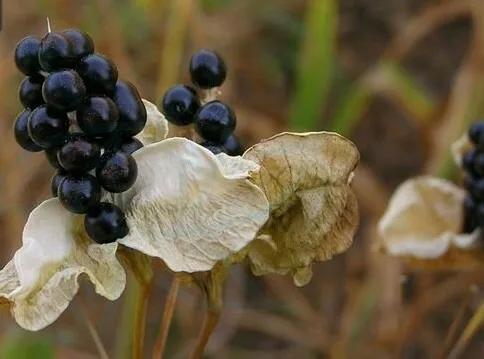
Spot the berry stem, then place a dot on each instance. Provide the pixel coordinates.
(475, 323)
(92, 330)
(49, 30)
(140, 319)
(210, 95)
(170, 303)
(212, 316)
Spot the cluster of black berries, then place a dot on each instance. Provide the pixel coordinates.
(473, 163)
(214, 121)
(84, 118)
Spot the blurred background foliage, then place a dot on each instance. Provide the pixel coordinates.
(402, 78)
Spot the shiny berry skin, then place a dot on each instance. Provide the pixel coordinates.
(51, 155)
(180, 104)
(132, 111)
(81, 43)
(64, 90)
(105, 223)
(476, 133)
(477, 189)
(215, 122)
(30, 91)
(207, 69)
(78, 193)
(233, 146)
(27, 55)
(78, 154)
(55, 182)
(116, 171)
(47, 127)
(55, 52)
(213, 147)
(21, 132)
(99, 74)
(130, 146)
(479, 164)
(468, 161)
(98, 116)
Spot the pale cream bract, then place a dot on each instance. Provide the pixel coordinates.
(314, 213)
(424, 220)
(42, 278)
(156, 127)
(187, 210)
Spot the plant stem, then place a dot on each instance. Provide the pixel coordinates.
(212, 317)
(471, 328)
(140, 319)
(93, 331)
(168, 310)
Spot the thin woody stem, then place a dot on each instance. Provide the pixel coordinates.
(170, 304)
(92, 330)
(140, 320)
(48, 26)
(211, 320)
(476, 322)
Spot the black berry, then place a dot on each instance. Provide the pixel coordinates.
(21, 132)
(51, 155)
(130, 146)
(213, 147)
(55, 52)
(47, 127)
(207, 69)
(479, 164)
(98, 116)
(180, 104)
(476, 133)
(116, 171)
(78, 154)
(81, 43)
(468, 161)
(55, 182)
(30, 91)
(105, 223)
(233, 146)
(132, 111)
(78, 193)
(215, 122)
(99, 74)
(27, 55)
(470, 217)
(64, 90)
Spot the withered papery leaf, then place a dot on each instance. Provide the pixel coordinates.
(187, 210)
(156, 127)
(314, 213)
(424, 220)
(460, 147)
(41, 279)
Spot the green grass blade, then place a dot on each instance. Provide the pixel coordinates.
(316, 59)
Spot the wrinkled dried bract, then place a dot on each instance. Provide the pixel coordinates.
(156, 128)
(187, 209)
(424, 220)
(460, 147)
(42, 278)
(314, 214)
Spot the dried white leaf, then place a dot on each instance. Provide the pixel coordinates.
(424, 220)
(43, 277)
(156, 128)
(314, 214)
(185, 210)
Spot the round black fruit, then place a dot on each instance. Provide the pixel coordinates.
(105, 223)
(233, 146)
(55, 52)
(215, 122)
(130, 146)
(207, 69)
(98, 116)
(51, 155)
(55, 182)
(99, 74)
(479, 164)
(81, 43)
(78, 193)
(47, 127)
(180, 104)
(27, 55)
(21, 132)
(476, 133)
(116, 171)
(78, 154)
(132, 111)
(30, 91)
(64, 90)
